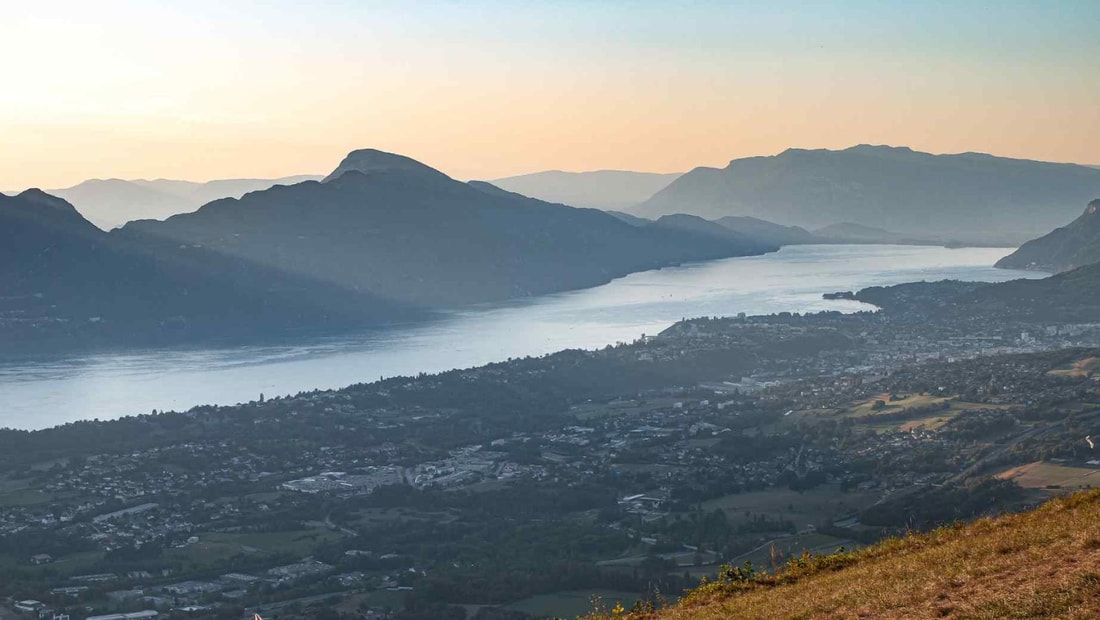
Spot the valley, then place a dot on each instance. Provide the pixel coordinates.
(636, 468)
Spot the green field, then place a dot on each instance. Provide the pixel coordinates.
(803, 508)
(23, 497)
(72, 564)
(573, 603)
(377, 599)
(18, 492)
(213, 547)
(376, 516)
(683, 559)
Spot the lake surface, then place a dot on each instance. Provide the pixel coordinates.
(109, 385)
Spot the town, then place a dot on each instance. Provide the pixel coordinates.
(485, 493)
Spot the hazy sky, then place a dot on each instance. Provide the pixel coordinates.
(229, 88)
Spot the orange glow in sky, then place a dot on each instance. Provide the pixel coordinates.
(489, 89)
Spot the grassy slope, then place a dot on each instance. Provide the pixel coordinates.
(1039, 564)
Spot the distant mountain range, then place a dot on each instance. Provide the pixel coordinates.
(383, 238)
(399, 229)
(109, 203)
(970, 197)
(1063, 249)
(611, 190)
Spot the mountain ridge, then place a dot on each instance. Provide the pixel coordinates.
(427, 239)
(920, 195)
(109, 203)
(1074, 245)
(68, 284)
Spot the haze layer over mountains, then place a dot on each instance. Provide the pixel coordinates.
(109, 203)
(387, 238)
(390, 225)
(970, 197)
(863, 194)
(384, 238)
(610, 190)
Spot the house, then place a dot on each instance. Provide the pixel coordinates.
(41, 558)
(29, 605)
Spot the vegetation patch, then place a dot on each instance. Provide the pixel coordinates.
(574, 603)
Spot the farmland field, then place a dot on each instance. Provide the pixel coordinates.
(218, 546)
(906, 413)
(1080, 368)
(803, 508)
(1040, 475)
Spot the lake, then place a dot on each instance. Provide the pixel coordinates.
(109, 385)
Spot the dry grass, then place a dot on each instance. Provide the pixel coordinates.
(866, 408)
(1040, 475)
(1040, 564)
(930, 423)
(1080, 368)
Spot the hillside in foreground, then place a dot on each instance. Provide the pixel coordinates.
(1039, 564)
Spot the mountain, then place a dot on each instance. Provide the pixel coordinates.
(391, 226)
(1039, 564)
(970, 197)
(1063, 249)
(602, 189)
(633, 220)
(849, 232)
(768, 231)
(366, 161)
(109, 203)
(695, 225)
(67, 283)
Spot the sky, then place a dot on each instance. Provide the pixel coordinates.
(208, 89)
